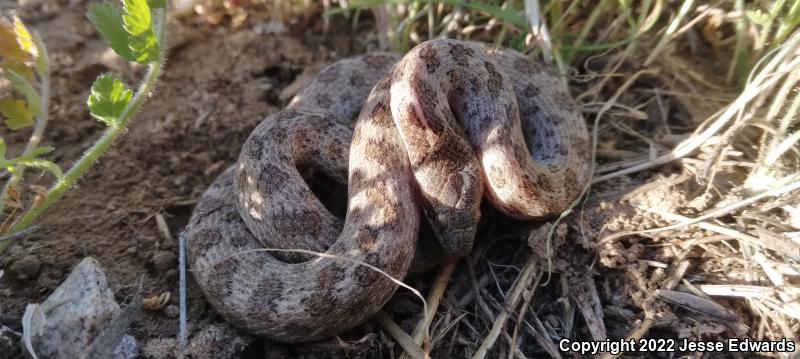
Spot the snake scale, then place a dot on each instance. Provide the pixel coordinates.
(432, 132)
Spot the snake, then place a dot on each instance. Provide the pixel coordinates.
(424, 136)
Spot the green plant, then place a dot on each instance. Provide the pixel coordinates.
(135, 31)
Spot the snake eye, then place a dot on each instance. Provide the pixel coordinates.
(435, 220)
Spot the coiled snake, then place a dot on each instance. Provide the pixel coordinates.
(448, 123)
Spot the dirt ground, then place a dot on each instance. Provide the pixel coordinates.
(220, 82)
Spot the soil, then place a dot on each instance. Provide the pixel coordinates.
(220, 82)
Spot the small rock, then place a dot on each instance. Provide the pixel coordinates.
(164, 260)
(172, 311)
(26, 267)
(46, 283)
(171, 275)
(76, 312)
(127, 348)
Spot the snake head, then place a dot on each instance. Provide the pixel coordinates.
(454, 232)
(455, 210)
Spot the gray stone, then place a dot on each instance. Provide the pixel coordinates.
(76, 312)
(127, 348)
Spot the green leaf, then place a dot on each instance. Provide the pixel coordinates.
(157, 4)
(49, 167)
(17, 113)
(9, 46)
(20, 68)
(25, 88)
(42, 61)
(39, 151)
(138, 22)
(107, 19)
(137, 17)
(758, 17)
(32, 159)
(2, 150)
(518, 42)
(108, 99)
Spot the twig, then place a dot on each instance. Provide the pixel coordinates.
(511, 302)
(697, 304)
(687, 5)
(527, 295)
(790, 251)
(182, 291)
(405, 340)
(20, 234)
(162, 226)
(539, 334)
(420, 333)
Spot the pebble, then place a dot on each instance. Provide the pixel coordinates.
(127, 348)
(26, 267)
(164, 260)
(172, 311)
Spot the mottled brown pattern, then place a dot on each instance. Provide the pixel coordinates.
(448, 118)
(429, 56)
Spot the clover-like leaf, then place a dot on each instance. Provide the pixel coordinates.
(758, 16)
(17, 113)
(138, 22)
(107, 19)
(108, 99)
(46, 165)
(9, 46)
(33, 159)
(20, 68)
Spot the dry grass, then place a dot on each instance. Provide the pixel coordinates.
(695, 100)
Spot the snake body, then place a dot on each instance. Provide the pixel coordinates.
(441, 125)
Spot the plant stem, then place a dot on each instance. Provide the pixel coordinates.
(568, 55)
(687, 6)
(103, 143)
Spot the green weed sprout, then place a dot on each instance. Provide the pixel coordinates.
(135, 31)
